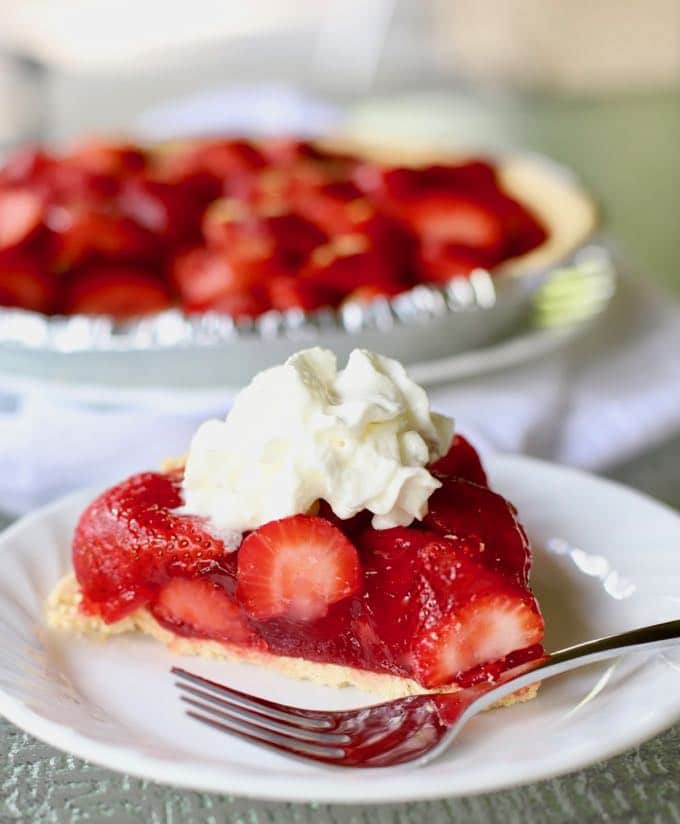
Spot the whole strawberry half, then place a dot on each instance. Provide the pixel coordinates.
(296, 567)
(439, 611)
(129, 542)
(468, 511)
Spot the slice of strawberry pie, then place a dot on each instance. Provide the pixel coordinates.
(338, 533)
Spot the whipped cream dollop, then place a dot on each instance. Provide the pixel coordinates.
(359, 438)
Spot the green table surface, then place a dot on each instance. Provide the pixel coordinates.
(626, 150)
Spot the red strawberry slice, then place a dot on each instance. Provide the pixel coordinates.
(286, 151)
(242, 233)
(121, 291)
(484, 631)
(400, 183)
(203, 277)
(200, 607)
(457, 219)
(372, 292)
(296, 568)
(129, 542)
(290, 292)
(338, 206)
(432, 603)
(236, 304)
(461, 461)
(162, 208)
(21, 212)
(470, 512)
(226, 157)
(81, 233)
(24, 284)
(349, 263)
(25, 165)
(523, 230)
(107, 157)
(294, 237)
(440, 262)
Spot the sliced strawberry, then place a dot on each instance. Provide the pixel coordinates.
(25, 165)
(129, 542)
(177, 168)
(338, 206)
(459, 219)
(397, 184)
(285, 239)
(24, 284)
(203, 276)
(470, 512)
(200, 607)
(286, 151)
(440, 262)
(161, 208)
(121, 291)
(290, 292)
(483, 631)
(371, 292)
(297, 568)
(226, 157)
(236, 304)
(80, 233)
(65, 182)
(461, 461)
(433, 604)
(108, 157)
(523, 230)
(349, 263)
(223, 221)
(21, 212)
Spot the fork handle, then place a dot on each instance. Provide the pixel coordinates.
(644, 639)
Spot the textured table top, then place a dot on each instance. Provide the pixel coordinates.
(39, 783)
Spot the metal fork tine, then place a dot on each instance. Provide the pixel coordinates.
(273, 740)
(226, 709)
(311, 719)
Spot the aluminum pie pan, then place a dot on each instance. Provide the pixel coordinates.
(174, 329)
(428, 321)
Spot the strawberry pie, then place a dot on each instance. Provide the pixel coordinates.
(332, 527)
(243, 227)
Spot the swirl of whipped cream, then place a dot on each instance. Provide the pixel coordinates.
(359, 439)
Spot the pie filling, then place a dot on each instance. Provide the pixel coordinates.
(443, 601)
(243, 227)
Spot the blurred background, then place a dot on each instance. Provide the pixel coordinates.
(593, 84)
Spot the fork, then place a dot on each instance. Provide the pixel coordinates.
(413, 729)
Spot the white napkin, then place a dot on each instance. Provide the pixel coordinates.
(601, 400)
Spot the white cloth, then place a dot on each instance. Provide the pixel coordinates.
(601, 400)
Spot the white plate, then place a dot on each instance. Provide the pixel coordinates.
(607, 559)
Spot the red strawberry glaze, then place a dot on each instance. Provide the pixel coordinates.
(441, 601)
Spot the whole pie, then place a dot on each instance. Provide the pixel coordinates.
(436, 604)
